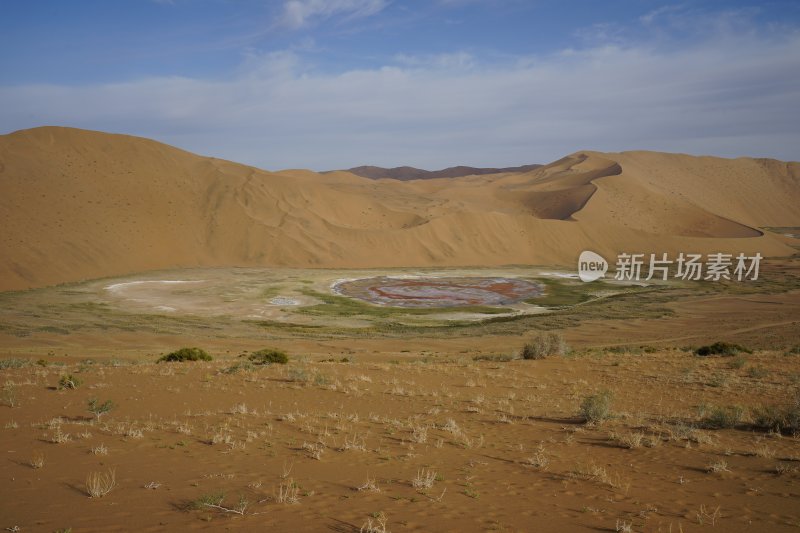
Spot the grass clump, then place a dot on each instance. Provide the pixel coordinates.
(596, 408)
(268, 356)
(545, 345)
(216, 501)
(779, 418)
(186, 354)
(723, 417)
(721, 348)
(68, 381)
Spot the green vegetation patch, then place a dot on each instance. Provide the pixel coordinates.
(186, 354)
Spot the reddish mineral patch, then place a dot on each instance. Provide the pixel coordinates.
(439, 292)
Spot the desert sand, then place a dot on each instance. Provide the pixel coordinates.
(79, 205)
(116, 250)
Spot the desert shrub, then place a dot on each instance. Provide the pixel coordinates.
(186, 354)
(723, 417)
(721, 348)
(780, 418)
(99, 409)
(69, 381)
(268, 356)
(597, 407)
(239, 367)
(544, 345)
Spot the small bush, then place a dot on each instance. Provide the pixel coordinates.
(69, 382)
(545, 345)
(721, 348)
(186, 354)
(723, 417)
(268, 356)
(597, 407)
(239, 367)
(99, 409)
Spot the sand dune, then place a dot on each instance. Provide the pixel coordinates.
(77, 204)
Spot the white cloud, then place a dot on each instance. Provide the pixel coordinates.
(724, 96)
(300, 13)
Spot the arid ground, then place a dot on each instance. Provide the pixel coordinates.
(385, 419)
(446, 371)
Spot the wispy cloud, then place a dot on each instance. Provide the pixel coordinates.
(723, 94)
(299, 13)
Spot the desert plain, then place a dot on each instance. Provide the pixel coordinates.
(556, 406)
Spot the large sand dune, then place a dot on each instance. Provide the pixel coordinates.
(77, 204)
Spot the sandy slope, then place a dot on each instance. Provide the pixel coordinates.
(77, 204)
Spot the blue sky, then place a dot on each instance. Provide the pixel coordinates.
(328, 84)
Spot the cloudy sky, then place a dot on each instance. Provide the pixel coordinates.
(327, 84)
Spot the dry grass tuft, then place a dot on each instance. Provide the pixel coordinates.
(98, 484)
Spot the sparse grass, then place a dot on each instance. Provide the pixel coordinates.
(631, 439)
(8, 396)
(596, 408)
(722, 417)
(379, 526)
(717, 467)
(14, 362)
(98, 484)
(757, 372)
(545, 345)
(100, 449)
(424, 479)
(780, 418)
(186, 354)
(495, 358)
(369, 485)
(288, 492)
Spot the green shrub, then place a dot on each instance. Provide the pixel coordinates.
(721, 348)
(99, 409)
(268, 356)
(186, 354)
(69, 381)
(597, 407)
(723, 417)
(545, 345)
